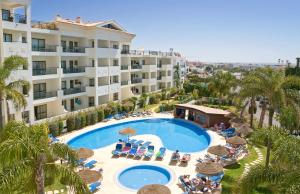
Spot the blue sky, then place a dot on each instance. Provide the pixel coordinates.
(205, 30)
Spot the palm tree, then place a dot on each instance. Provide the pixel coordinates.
(11, 90)
(177, 76)
(284, 171)
(28, 161)
(221, 84)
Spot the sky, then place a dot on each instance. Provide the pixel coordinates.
(203, 30)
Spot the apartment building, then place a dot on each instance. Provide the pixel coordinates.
(74, 65)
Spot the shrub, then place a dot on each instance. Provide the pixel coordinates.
(163, 94)
(100, 114)
(88, 119)
(166, 107)
(93, 117)
(77, 122)
(82, 119)
(142, 102)
(53, 128)
(60, 126)
(107, 111)
(70, 123)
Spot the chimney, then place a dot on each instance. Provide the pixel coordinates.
(78, 20)
(298, 62)
(58, 18)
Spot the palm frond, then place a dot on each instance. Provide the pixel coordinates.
(63, 151)
(14, 62)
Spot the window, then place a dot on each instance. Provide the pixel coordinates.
(125, 49)
(115, 46)
(63, 85)
(6, 15)
(63, 45)
(91, 101)
(64, 64)
(40, 112)
(114, 79)
(115, 96)
(143, 62)
(64, 104)
(25, 116)
(39, 91)
(38, 44)
(7, 37)
(115, 62)
(24, 40)
(25, 90)
(38, 67)
(169, 73)
(92, 82)
(93, 63)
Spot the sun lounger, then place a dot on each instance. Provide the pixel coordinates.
(132, 141)
(126, 149)
(188, 187)
(161, 153)
(150, 151)
(53, 139)
(90, 164)
(140, 152)
(186, 158)
(146, 144)
(133, 150)
(94, 186)
(80, 161)
(138, 142)
(118, 150)
(175, 157)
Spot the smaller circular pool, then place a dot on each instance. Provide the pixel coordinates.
(138, 176)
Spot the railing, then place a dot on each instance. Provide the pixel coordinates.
(125, 52)
(123, 83)
(74, 70)
(124, 67)
(159, 78)
(44, 25)
(74, 90)
(136, 67)
(102, 84)
(159, 65)
(73, 49)
(136, 80)
(17, 18)
(45, 71)
(47, 48)
(43, 95)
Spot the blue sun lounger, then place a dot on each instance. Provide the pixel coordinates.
(161, 153)
(150, 151)
(146, 144)
(138, 142)
(94, 186)
(90, 164)
(133, 150)
(132, 141)
(53, 139)
(118, 150)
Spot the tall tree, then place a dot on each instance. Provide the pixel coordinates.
(10, 90)
(177, 76)
(28, 161)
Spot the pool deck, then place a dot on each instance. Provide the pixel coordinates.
(111, 166)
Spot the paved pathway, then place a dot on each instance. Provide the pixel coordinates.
(255, 162)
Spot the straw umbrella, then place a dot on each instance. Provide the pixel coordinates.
(127, 131)
(244, 130)
(85, 153)
(218, 150)
(89, 176)
(154, 189)
(236, 140)
(209, 168)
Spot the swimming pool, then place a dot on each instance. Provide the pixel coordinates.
(138, 176)
(175, 134)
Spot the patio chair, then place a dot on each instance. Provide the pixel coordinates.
(185, 158)
(53, 139)
(133, 150)
(175, 157)
(150, 151)
(118, 150)
(126, 149)
(132, 141)
(138, 142)
(90, 164)
(146, 144)
(140, 153)
(94, 186)
(161, 153)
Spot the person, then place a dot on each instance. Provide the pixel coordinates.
(186, 180)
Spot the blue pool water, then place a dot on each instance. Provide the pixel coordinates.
(138, 176)
(175, 134)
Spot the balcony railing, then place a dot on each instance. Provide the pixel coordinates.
(44, 25)
(74, 70)
(102, 84)
(159, 65)
(73, 49)
(43, 95)
(45, 71)
(47, 48)
(17, 18)
(124, 67)
(125, 52)
(136, 80)
(124, 83)
(74, 90)
(159, 77)
(136, 67)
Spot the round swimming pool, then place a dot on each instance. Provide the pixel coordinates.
(175, 134)
(138, 176)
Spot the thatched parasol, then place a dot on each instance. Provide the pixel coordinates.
(236, 140)
(89, 176)
(127, 131)
(209, 168)
(244, 130)
(154, 189)
(229, 115)
(218, 150)
(85, 153)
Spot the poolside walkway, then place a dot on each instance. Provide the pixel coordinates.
(111, 166)
(255, 162)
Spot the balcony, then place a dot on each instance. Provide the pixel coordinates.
(70, 91)
(15, 48)
(47, 48)
(124, 83)
(136, 80)
(125, 52)
(159, 78)
(73, 49)
(103, 52)
(45, 71)
(136, 66)
(74, 70)
(124, 67)
(44, 25)
(44, 95)
(17, 18)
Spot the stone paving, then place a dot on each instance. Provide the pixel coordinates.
(253, 163)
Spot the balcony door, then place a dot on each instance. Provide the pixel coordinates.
(38, 44)
(39, 67)
(6, 15)
(39, 90)
(72, 104)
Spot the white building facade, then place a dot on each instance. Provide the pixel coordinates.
(74, 65)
